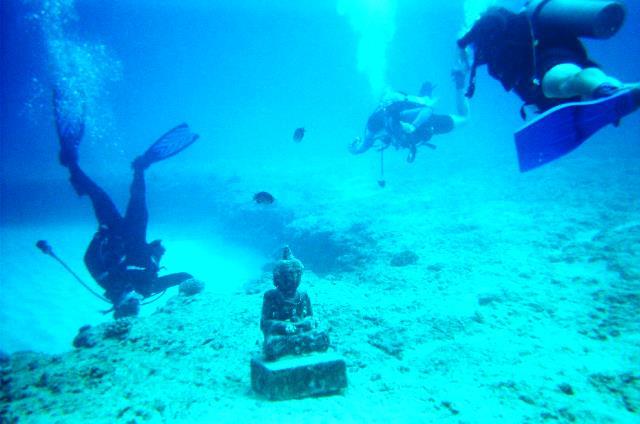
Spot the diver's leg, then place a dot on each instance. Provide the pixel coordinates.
(137, 216)
(105, 210)
(170, 280)
(568, 80)
(441, 124)
(69, 119)
(416, 116)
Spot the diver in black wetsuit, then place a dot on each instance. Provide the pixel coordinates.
(119, 257)
(544, 63)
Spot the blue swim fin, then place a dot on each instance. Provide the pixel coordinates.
(563, 128)
(171, 143)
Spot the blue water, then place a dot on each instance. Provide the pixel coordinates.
(244, 75)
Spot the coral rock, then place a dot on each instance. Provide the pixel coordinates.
(191, 287)
(404, 258)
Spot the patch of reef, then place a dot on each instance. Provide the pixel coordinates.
(197, 348)
(617, 248)
(127, 366)
(326, 245)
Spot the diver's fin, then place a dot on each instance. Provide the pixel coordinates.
(171, 143)
(69, 114)
(563, 128)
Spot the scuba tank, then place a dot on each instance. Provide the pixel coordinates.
(580, 18)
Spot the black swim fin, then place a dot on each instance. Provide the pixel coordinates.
(69, 113)
(171, 143)
(563, 128)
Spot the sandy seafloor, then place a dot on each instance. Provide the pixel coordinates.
(522, 306)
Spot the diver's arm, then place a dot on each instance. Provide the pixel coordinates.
(464, 59)
(462, 105)
(361, 145)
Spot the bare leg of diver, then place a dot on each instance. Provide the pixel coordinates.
(416, 116)
(568, 80)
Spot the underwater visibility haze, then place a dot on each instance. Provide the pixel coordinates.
(455, 287)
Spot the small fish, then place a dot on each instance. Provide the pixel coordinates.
(298, 134)
(263, 198)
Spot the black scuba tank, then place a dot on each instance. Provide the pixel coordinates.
(580, 18)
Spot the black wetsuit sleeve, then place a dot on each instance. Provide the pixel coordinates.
(363, 145)
(374, 129)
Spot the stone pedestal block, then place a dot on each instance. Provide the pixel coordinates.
(299, 376)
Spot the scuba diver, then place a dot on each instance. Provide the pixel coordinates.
(406, 121)
(537, 54)
(119, 258)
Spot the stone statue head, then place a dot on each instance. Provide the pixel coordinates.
(287, 273)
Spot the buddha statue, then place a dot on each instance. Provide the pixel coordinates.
(287, 319)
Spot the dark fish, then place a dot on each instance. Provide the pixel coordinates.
(264, 198)
(298, 134)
